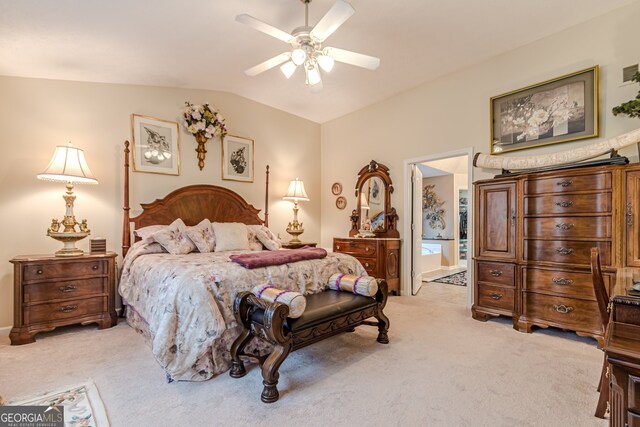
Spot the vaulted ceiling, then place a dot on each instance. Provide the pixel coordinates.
(198, 44)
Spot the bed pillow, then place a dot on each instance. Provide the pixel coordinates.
(146, 233)
(230, 236)
(295, 300)
(202, 236)
(268, 239)
(174, 238)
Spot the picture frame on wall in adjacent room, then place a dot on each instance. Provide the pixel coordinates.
(558, 110)
(155, 145)
(237, 158)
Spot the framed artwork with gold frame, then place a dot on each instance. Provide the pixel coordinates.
(237, 158)
(155, 145)
(557, 110)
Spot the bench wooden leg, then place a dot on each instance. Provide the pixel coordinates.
(383, 327)
(270, 373)
(237, 349)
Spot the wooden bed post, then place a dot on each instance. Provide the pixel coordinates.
(266, 200)
(126, 223)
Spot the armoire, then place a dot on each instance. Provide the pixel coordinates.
(533, 237)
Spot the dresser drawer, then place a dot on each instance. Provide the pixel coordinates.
(634, 393)
(569, 313)
(568, 227)
(496, 272)
(566, 251)
(370, 265)
(561, 283)
(63, 289)
(568, 183)
(63, 269)
(495, 297)
(356, 247)
(567, 204)
(65, 310)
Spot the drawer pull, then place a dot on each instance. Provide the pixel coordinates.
(561, 281)
(95, 267)
(565, 204)
(565, 183)
(68, 308)
(366, 265)
(496, 273)
(564, 251)
(495, 296)
(338, 247)
(629, 214)
(39, 271)
(366, 249)
(68, 288)
(564, 226)
(564, 309)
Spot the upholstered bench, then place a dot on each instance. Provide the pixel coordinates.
(327, 313)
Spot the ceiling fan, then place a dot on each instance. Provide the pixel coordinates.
(306, 42)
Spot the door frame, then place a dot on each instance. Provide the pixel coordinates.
(406, 235)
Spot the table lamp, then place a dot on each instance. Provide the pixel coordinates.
(68, 165)
(296, 193)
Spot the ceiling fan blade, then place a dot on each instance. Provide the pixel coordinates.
(353, 58)
(264, 27)
(268, 64)
(336, 16)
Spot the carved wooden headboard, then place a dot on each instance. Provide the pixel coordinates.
(192, 204)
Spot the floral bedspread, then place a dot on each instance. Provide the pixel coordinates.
(183, 304)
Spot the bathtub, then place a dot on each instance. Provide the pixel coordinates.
(431, 258)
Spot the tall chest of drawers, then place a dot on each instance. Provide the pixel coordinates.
(54, 291)
(534, 233)
(379, 257)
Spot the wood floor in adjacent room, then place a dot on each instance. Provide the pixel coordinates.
(442, 368)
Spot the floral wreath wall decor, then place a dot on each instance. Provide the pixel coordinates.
(203, 123)
(432, 207)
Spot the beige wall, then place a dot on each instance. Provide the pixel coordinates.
(452, 112)
(444, 189)
(36, 115)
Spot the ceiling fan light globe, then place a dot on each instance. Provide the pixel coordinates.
(288, 68)
(326, 62)
(313, 76)
(298, 56)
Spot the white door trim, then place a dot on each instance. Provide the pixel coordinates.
(406, 235)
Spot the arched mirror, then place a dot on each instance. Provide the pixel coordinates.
(374, 216)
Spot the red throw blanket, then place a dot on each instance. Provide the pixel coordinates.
(267, 258)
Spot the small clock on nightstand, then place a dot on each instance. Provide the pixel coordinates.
(51, 291)
(297, 245)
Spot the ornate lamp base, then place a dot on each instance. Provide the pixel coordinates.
(295, 233)
(69, 240)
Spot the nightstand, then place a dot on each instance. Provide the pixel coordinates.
(289, 245)
(52, 291)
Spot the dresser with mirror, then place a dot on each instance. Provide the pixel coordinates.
(373, 237)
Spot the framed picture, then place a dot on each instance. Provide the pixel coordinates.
(341, 202)
(237, 158)
(336, 188)
(558, 110)
(156, 145)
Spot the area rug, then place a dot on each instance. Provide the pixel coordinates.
(82, 404)
(458, 279)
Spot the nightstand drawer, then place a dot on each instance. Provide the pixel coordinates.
(63, 269)
(64, 310)
(63, 289)
(361, 247)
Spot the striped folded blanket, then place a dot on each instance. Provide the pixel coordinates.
(268, 258)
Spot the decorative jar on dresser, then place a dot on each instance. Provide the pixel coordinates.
(380, 257)
(52, 291)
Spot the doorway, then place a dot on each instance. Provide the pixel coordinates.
(438, 241)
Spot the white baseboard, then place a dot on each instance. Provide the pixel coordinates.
(4, 332)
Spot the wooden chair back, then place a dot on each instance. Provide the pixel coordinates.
(599, 288)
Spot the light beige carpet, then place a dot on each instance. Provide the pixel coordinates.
(442, 368)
